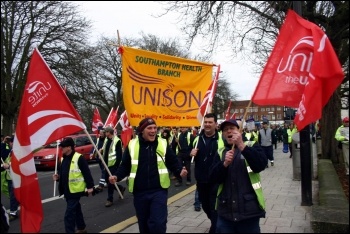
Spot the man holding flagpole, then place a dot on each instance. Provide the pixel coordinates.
(74, 177)
(240, 202)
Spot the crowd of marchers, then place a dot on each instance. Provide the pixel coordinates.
(227, 160)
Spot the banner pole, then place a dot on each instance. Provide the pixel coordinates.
(103, 162)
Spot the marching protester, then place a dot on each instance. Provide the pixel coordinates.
(236, 167)
(74, 178)
(146, 161)
(112, 151)
(290, 131)
(208, 142)
(342, 135)
(285, 138)
(265, 139)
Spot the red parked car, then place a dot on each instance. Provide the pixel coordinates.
(45, 158)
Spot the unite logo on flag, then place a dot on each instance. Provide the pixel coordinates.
(37, 92)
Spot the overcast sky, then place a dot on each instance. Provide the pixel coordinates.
(130, 18)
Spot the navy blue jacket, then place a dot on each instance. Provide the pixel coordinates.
(237, 201)
(147, 176)
(63, 175)
(207, 149)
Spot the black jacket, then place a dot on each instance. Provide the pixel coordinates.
(207, 148)
(185, 146)
(119, 154)
(64, 172)
(237, 200)
(147, 176)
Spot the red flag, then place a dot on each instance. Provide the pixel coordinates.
(112, 118)
(96, 121)
(233, 116)
(227, 115)
(208, 97)
(127, 130)
(301, 69)
(41, 120)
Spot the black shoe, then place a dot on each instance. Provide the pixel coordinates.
(122, 192)
(197, 209)
(178, 184)
(290, 156)
(108, 204)
(267, 166)
(99, 188)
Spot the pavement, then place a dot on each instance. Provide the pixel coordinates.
(282, 190)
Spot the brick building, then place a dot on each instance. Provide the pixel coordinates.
(275, 114)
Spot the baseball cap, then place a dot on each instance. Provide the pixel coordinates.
(346, 119)
(230, 121)
(67, 142)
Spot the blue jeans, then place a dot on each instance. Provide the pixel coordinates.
(73, 216)
(245, 226)
(152, 210)
(13, 201)
(196, 203)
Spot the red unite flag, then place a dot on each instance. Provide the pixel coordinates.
(227, 115)
(96, 121)
(127, 130)
(208, 98)
(302, 71)
(41, 120)
(111, 120)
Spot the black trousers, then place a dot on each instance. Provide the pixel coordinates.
(207, 196)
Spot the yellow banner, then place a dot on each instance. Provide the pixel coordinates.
(167, 88)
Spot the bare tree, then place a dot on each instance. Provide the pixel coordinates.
(54, 27)
(251, 28)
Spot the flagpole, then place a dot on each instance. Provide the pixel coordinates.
(54, 183)
(213, 89)
(305, 149)
(108, 117)
(119, 119)
(103, 162)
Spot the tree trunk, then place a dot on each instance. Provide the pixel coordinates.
(8, 126)
(329, 124)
